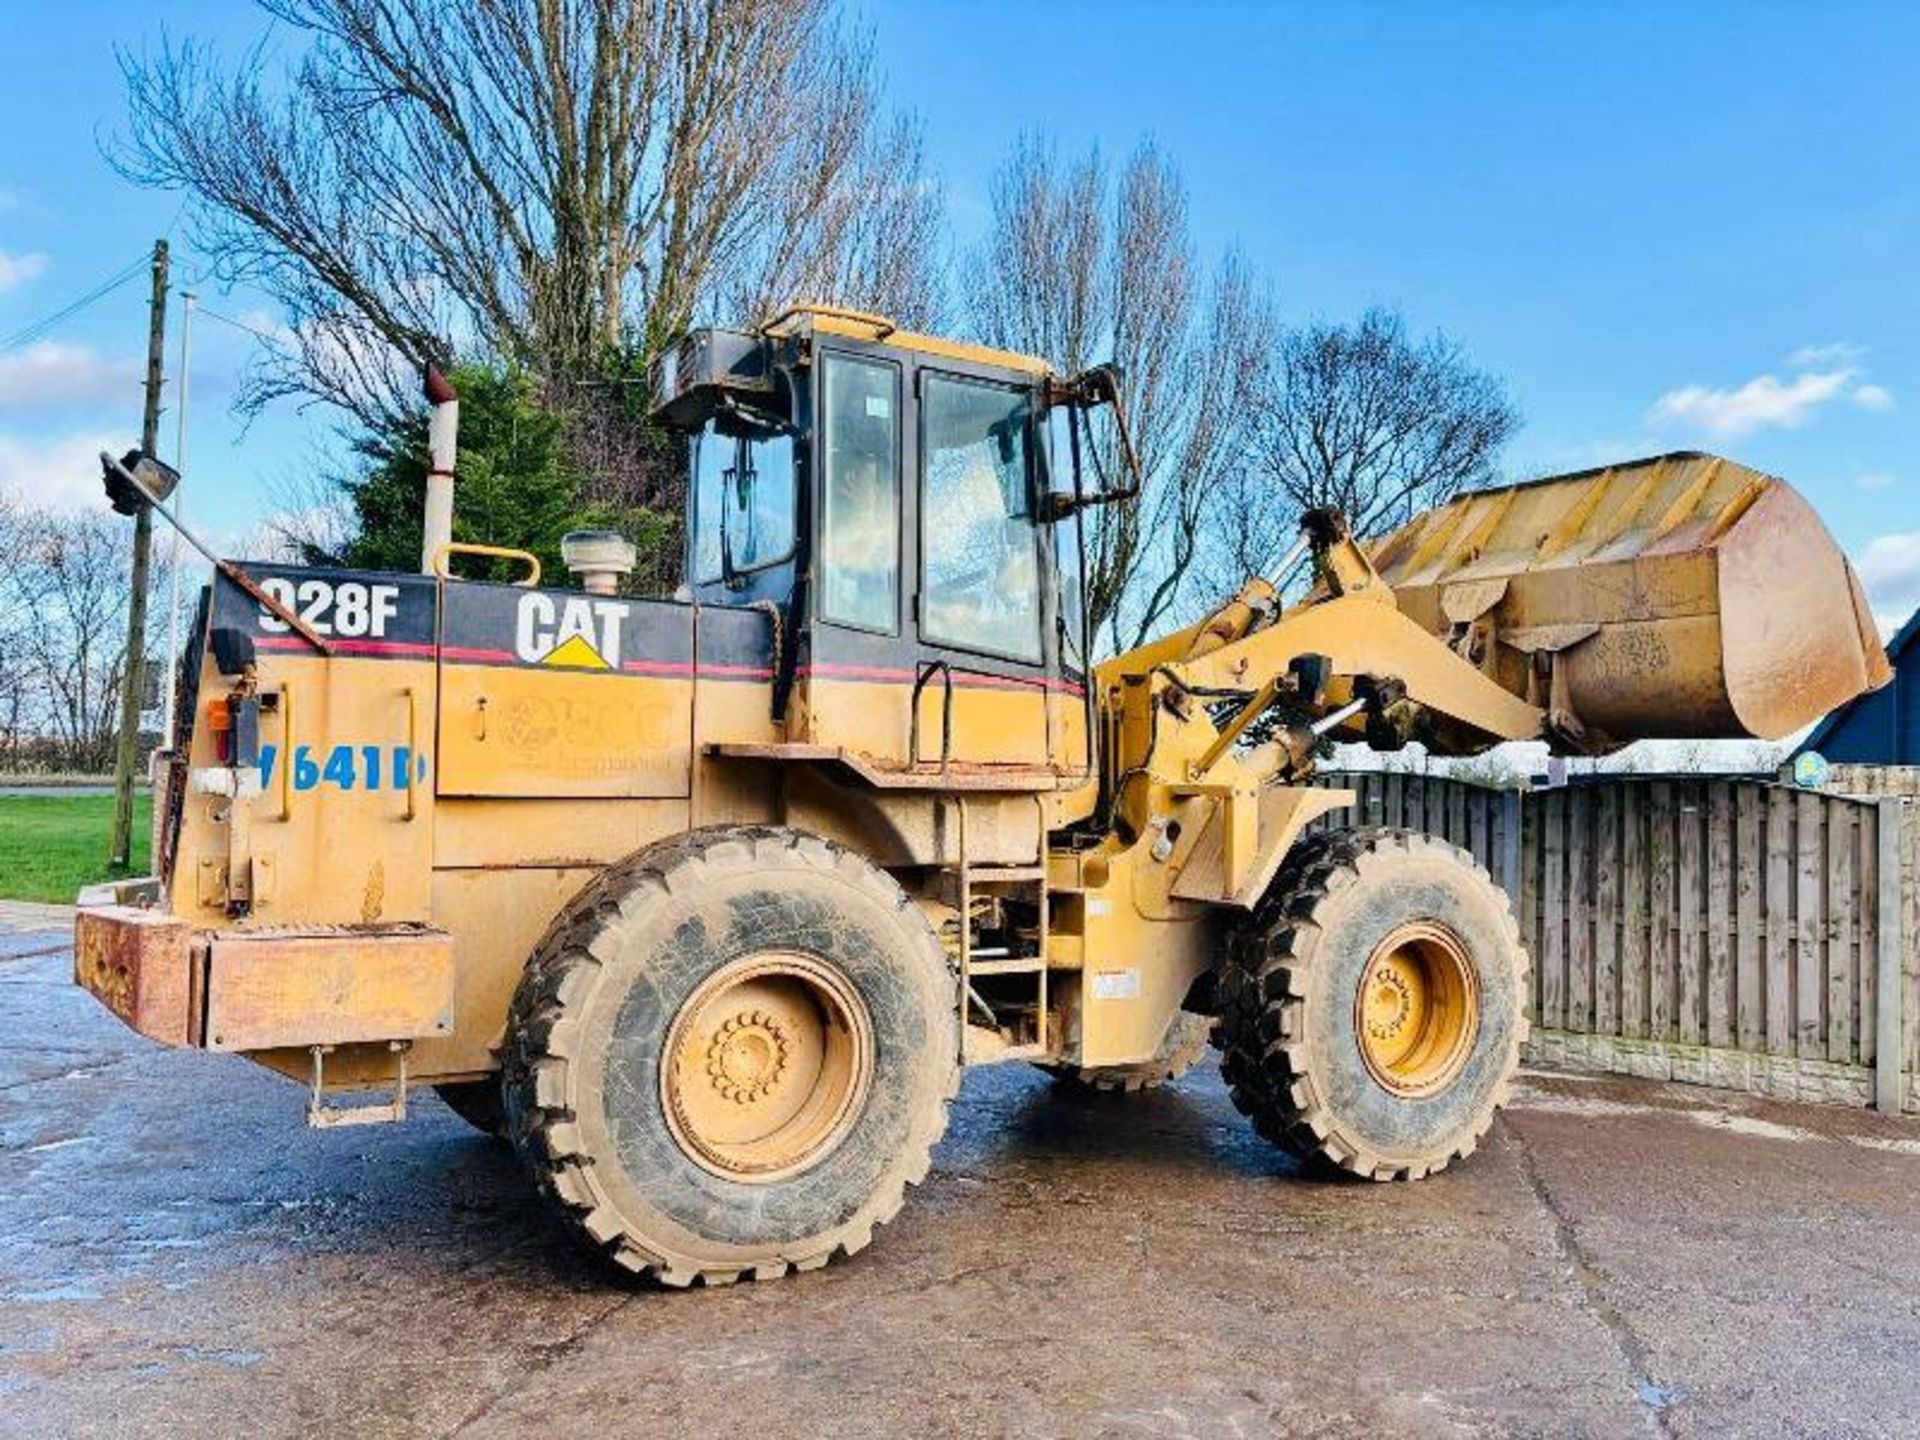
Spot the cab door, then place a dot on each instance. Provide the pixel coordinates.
(857, 676)
(987, 645)
(931, 632)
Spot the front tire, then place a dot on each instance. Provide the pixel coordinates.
(732, 1054)
(1374, 1006)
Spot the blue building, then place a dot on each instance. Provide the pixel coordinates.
(1881, 727)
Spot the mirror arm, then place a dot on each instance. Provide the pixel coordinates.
(1080, 393)
(1065, 507)
(761, 422)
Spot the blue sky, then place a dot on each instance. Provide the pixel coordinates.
(1665, 225)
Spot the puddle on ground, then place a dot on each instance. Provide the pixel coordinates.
(54, 1294)
(1656, 1397)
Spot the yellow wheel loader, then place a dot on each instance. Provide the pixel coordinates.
(703, 903)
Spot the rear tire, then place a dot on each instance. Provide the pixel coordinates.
(1373, 1007)
(1184, 1047)
(731, 1055)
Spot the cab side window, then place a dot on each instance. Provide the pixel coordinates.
(860, 529)
(742, 503)
(1055, 452)
(980, 567)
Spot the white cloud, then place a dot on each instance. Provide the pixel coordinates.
(270, 327)
(1875, 480)
(1821, 374)
(1840, 352)
(1890, 569)
(51, 374)
(1763, 402)
(18, 202)
(57, 473)
(18, 270)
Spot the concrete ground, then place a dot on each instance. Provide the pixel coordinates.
(177, 1255)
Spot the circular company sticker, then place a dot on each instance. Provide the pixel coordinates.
(1810, 770)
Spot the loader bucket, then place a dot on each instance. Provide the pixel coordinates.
(1679, 597)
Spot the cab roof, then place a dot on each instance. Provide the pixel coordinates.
(819, 319)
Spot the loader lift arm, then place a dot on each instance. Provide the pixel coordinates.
(1366, 658)
(1344, 660)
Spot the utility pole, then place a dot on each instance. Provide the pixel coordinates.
(127, 753)
(179, 509)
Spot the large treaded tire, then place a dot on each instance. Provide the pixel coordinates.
(1184, 1047)
(1290, 1053)
(586, 1033)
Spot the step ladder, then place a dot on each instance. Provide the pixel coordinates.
(1020, 882)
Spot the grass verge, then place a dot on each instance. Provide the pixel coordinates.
(52, 845)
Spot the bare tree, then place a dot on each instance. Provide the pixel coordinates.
(868, 234)
(1364, 419)
(66, 587)
(14, 620)
(544, 182)
(1081, 271)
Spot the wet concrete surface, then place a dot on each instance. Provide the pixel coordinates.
(178, 1255)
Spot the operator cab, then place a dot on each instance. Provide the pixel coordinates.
(890, 497)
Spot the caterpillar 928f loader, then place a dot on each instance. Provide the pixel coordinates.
(704, 903)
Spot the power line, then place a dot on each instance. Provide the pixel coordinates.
(31, 333)
(278, 342)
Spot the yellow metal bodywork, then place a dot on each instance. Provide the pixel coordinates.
(328, 987)
(554, 733)
(141, 964)
(359, 856)
(1677, 597)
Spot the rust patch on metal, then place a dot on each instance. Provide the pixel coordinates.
(375, 894)
(140, 965)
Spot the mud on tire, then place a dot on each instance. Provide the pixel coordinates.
(1293, 1054)
(587, 1067)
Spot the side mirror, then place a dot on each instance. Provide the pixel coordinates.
(1080, 394)
(158, 478)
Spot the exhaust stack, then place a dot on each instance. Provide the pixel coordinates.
(443, 439)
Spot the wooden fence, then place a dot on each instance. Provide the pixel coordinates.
(1718, 931)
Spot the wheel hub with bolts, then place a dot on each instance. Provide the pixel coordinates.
(765, 1066)
(1416, 1010)
(747, 1056)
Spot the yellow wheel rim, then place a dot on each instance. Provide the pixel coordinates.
(1417, 1012)
(766, 1066)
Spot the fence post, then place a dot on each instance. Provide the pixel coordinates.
(1890, 1029)
(1507, 863)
